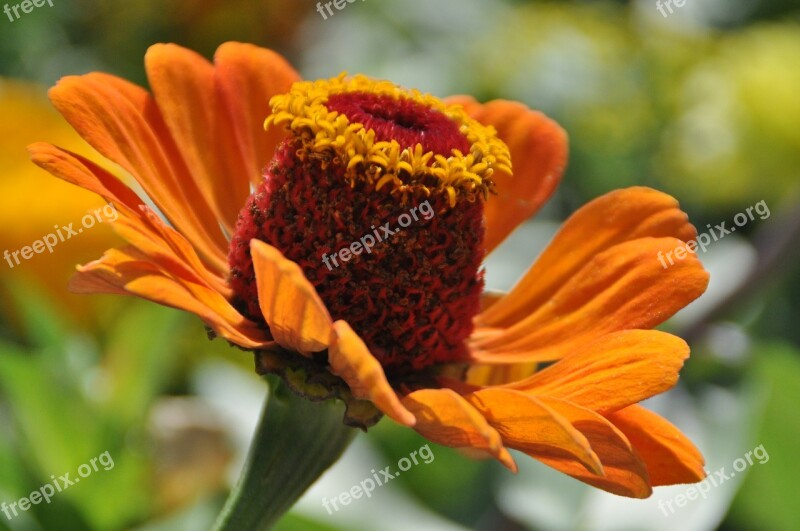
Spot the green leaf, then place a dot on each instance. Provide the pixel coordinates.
(141, 356)
(768, 498)
(55, 435)
(41, 324)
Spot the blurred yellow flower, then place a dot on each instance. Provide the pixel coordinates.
(736, 137)
(34, 204)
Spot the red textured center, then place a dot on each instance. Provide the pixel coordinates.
(406, 277)
(406, 121)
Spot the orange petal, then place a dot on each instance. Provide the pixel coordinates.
(538, 147)
(191, 181)
(350, 359)
(625, 287)
(168, 249)
(488, 298)
(126, 271)
(614, 218)
(297, 317)
(82, 172)
(446, 418)
(159, 249)
(183, 84)
(247, 77)
(125, 127)
(614, 371)
(669, 455)
(491, 375)
(526, 424)
(624, 473)
(136, 223)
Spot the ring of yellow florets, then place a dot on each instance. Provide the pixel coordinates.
(330, 136)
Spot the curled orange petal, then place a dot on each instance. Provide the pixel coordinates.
(613, 372)
(624, 473)
(669, 455)
(78, 170)
(625, 287)
(351, 360)
(297, 317)
(526, 424)
(136, 223)
(614, 218)
(128, 272)
(446, 418)
(121, 121)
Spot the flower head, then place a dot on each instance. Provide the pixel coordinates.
(403, 329)
(359, 154)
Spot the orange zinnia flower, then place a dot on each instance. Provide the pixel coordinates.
(403, 327)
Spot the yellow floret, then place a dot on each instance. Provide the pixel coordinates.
(328, 135)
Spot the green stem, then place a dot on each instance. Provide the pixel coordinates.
(295, 442)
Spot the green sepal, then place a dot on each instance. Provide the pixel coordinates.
(311, 378)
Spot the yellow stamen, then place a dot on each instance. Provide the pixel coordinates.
(329, 135)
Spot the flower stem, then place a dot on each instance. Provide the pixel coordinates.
(295, 442)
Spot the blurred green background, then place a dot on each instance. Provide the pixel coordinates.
(703, 103)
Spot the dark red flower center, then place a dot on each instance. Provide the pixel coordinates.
(406, 121)
(405, 274)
